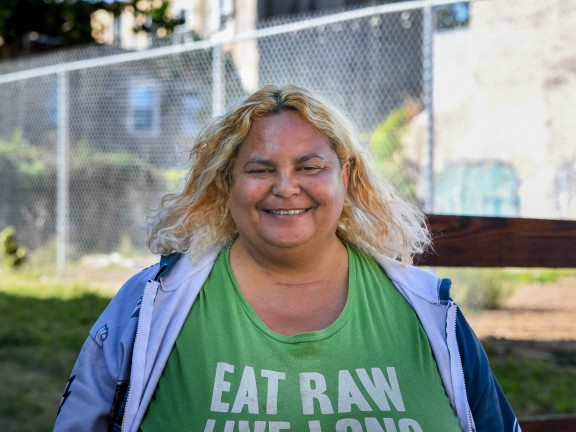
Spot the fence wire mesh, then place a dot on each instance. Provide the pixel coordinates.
(91, 138)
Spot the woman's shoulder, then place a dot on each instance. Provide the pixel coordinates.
(123, 304)
(134, 286)
(416, 281)
(409, 279)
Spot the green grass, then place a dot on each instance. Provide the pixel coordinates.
(43, 324)
(42, 328)
(538, 382)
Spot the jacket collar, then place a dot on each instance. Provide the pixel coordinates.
(419, 282)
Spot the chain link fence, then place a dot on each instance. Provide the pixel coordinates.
(460, 109)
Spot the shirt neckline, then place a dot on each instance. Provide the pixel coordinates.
(313, 336)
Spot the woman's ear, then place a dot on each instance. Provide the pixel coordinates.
(346, 168)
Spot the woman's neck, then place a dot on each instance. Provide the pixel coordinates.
(295, 295)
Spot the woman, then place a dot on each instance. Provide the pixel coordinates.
(285, 298)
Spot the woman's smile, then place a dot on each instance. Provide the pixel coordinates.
(287, 212)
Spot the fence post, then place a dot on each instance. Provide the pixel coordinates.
(217, 81)
(428, 90)
(217, 74)
(62, 181)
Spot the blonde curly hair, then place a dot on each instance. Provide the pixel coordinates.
(375, 218)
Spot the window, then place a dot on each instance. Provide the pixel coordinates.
(144, 105)
(190, 122)
(452, 16)
(52, 107)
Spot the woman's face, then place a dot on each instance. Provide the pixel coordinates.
(288, 188)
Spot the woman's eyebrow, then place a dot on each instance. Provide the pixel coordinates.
(310, 156)
(299, 159)
(259, 161)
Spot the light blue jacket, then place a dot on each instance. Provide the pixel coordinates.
(121, 361)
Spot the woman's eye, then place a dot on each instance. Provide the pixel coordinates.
(310, 168)
(260, 171)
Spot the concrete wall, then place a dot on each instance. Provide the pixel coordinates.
(505, 90)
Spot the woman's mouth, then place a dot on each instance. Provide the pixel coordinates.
(286, 212)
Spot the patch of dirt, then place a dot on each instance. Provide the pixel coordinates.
(538, 321)
(103, 275)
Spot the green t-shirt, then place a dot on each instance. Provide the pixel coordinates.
(370, 370)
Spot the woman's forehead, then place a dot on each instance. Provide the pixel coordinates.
(285, 133)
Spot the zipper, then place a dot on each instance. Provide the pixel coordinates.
(461, 367)
(133, 353)
(143, 307)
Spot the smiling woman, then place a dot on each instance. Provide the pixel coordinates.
(285, 298)
(199, 218)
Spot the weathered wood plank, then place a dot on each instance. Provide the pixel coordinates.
(549, 424)
(474, 241)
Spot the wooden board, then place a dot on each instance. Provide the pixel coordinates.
(474, 241)
(549, 424)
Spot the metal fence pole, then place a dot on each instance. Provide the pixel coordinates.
(62, 174)
(428, 90)
(217, 78)
(217, 81)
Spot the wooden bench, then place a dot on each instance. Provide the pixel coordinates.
(474, 241)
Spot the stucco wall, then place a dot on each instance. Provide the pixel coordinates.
(505, 89)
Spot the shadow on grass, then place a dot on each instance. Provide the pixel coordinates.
(39, 342)
(538, 377)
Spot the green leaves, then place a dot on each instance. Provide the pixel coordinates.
(36, 25)
(11, 253)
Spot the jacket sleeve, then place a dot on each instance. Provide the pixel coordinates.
(102, 369)
(88, 395)
(490, 408)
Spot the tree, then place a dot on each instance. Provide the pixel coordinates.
(387, 148)
(30, 26)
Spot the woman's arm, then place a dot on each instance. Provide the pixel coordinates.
(490, 408)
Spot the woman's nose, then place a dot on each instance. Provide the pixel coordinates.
(285, 184)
